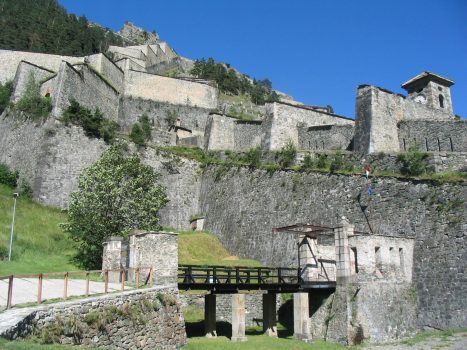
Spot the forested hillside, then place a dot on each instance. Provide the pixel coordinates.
(45, 26)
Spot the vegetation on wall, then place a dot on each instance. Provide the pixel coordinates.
(413, 161)
(115, 194)
(45, 26)
(231, 82)
(141, 131)
(5, 94)
(8, 177)
(93, 123)
(32, 102)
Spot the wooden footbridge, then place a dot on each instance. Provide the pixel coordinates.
(229, 280)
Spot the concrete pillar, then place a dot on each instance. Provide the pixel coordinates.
(301, 317)
(238, 317)
(341, 237)
(269, 315)
(309, 258)
(112, 258)
(210, 315)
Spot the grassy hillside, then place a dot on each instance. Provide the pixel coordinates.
(39, 244)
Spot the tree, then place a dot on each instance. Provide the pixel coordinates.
(115, 195)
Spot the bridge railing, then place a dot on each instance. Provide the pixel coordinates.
(203, 275)
(56, 286)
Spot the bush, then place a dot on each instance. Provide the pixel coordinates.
(141, 132)
(93, 123)
(253, 157)
(5, 94)
(286, 156)
(7, 176)
(32, 103)
(413, 161)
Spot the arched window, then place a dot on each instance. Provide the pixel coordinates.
(441, 101)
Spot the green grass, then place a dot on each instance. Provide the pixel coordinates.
(39, 244)
(258, 342)
(202, 248)
(29, 345)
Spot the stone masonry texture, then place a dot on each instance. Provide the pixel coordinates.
(244, 205)
(146, 319)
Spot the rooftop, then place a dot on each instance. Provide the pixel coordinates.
(425, 77)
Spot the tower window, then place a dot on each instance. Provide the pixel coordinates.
(440, 88)
(441, 101)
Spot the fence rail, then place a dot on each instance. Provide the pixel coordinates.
(94, 282)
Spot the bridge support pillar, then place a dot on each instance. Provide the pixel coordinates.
(210, 315)
(238, 318)
(301, 317)
(269, 314)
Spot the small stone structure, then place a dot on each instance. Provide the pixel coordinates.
(158, 250)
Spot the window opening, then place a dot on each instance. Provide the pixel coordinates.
(441, 101)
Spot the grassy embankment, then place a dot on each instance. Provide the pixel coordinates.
(39, 244)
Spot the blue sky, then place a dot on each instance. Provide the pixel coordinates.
(316, 51)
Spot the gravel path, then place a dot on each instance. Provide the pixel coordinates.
(25, 289)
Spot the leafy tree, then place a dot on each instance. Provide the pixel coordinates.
(231, 82)
(115, 195)
(45, 26)
(32, 102)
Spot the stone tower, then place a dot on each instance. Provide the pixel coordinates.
(431, 90)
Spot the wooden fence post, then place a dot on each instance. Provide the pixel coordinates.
(39, 288)
(106, 285)
(87, 283)
(10, 292)
(65, 286)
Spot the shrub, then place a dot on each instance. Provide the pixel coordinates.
(413, 161)
(253, 157)
(286, 156)
(32, 103)
(8, 177)
(141, 131)
(5, 94)
(25, 188)
(322, 161)
(93, 123)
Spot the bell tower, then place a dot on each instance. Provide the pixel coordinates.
(432, 90)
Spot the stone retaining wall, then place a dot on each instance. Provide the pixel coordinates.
(145, 319)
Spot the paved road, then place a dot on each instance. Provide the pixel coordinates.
(25, 289)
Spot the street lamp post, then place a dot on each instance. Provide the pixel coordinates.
(15, 195)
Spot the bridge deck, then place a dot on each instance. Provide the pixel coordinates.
(224, 279)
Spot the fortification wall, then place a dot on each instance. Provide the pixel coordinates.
(86, 87)
(170, 90)
(281, 122)
(434, 136)
(154, 321)
(182, 181)
(325, 137)
(220, 133)
(111, 72)
(161, 114)
(9, 61)
(242, 202)
(247, 135)
(379, 111)
(25, 71)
